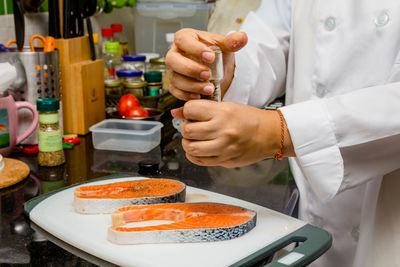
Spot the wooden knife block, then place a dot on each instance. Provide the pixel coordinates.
(82, 85)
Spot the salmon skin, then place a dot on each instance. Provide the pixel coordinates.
(192, 222)
(93, 199)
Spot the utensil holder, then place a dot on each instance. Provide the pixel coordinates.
(82, 83)
(38, 77)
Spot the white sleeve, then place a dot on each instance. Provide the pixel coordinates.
(346, 140)
(260, 71)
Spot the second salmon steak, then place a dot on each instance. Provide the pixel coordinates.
(107, 198)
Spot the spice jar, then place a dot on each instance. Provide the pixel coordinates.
(113, 92)
(134, 62)
(136, 88)
(217, 73)
(154, 82)
(158, 64)
(51, 151)
(129, 75)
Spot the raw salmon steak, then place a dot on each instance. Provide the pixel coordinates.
(109, 197)
(191, 222)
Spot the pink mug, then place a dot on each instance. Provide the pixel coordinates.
(9, 123)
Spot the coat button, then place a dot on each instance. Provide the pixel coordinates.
(382, 19)
(330, 24)
(321, 91)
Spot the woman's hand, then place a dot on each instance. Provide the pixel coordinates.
(229, 134)
(188, 78)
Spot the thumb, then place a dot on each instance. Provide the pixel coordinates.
(178, 113)
(233, 42)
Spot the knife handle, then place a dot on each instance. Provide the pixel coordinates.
(54, 19)
(91, 41)
(19, 24)
(69, 19)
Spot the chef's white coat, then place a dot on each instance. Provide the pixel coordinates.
(339, 61)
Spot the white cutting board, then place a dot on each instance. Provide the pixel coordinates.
(56, 215)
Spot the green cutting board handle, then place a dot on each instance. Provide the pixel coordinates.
(314, 242)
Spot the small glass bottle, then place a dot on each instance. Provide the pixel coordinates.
(134, 62)
(121, 39)
(132, 82)
(132, 75)
(217, 74)
(51, 151)
(111, 60)
(154, 82)
(158, 64)
(108, 37)
(113, 92)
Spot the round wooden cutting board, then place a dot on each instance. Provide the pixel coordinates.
(14, 171)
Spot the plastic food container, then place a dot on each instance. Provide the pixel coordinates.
(126, 135)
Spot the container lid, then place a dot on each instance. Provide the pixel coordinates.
(158, 61)
(153, 76)
(112, 83)
(116, 27)
(129, 73)
(134, 85)
(47, 104)
(112, 47)
(134, 58)
(150, 56)
(106, 32)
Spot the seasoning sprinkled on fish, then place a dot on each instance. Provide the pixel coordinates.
(107, 198)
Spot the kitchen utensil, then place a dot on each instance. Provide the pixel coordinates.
(48, 43)
(19, 23)
(273, 231)
(69, 16)
(9, 123)
(54, 19)
(91, 6)
(80, 16)
(37, 77)
(13, 172)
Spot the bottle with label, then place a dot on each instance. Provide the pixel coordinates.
(51, 151)
(121, 39)
(108, 37)
(111, 60)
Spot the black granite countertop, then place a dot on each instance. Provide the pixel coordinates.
(266, 183)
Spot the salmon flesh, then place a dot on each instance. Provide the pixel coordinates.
(93, 199)
(191, 222)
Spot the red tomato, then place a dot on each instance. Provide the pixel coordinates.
(137, 112)
(126, 103)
